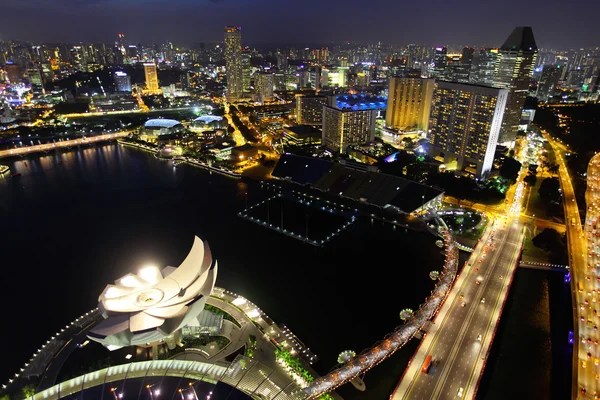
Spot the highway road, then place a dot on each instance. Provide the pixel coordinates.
(453, 341)
(585, 368)
(461, 336)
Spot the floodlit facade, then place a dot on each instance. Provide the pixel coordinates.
(465, 123)
(409, 103)
(155, 304)
(122, 82)
(151, 77)
(343, 127)
(513, 72)
(233, 62)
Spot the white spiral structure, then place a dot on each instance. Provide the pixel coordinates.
(147, 307)
(396, 339)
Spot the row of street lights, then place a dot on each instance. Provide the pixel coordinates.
(155, 393)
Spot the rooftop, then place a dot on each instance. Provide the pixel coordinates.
(207, 119)
(161, 123)
(371, 187)
(520, 39)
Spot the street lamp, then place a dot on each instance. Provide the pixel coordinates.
(191, 385)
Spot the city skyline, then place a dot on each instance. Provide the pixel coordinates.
(189, 22)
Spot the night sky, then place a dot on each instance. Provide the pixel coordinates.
(558, 24)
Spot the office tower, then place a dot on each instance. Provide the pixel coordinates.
(463, 70)
(246, 71)
(440, 61)
(409, 103)
(465, 123)
(151, 77)
(122, 82)
(335, 78)
(483, 67)
(363, 79)
(345, 127)
(233, 62)
(548, 82)
(264, 87)
(513, 72)
(35, 79)
(309, 109)
(315, 77)
(79, 58)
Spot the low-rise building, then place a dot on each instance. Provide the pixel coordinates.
(244, 152)
(302, 134)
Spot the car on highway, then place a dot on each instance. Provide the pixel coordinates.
(477, 282)
(463, 304)
(460, 392)
(483, 299)
(479, 338)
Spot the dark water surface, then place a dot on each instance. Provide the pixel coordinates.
(74, 222)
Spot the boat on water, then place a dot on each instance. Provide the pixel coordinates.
(16, 175)
(4, 169)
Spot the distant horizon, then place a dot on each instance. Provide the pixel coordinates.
(556, 25)
(296, 45)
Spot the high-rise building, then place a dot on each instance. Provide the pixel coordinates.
(463, 70)
(548, 81)
(309, 109)
(36, 81)
(409, 103)
(465, 123)
(513, 72)
(440, 61)
(483, 67)
(246, 72)
(122, 82)
(233, 62)
(151, 77)
(345, 127)
(264, 87)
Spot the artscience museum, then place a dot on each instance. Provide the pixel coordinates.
(154, 304)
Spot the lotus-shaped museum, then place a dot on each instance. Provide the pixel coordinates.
(154, 304)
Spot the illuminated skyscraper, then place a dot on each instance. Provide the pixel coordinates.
(344, 127)
(440, 61)
(264, 87)
(483, 67)
(233, 62)
(513, 72)
(122, 82)
(465, 123)
(151, 77)
(36, 80)
(409, 103)
(548, 81)
(309, 109)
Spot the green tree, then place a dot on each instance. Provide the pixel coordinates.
(549, 190)
(530, 179)
(510, 169)
(27, 391)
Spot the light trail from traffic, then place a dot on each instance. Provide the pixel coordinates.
(62, 144)
(584, 380)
